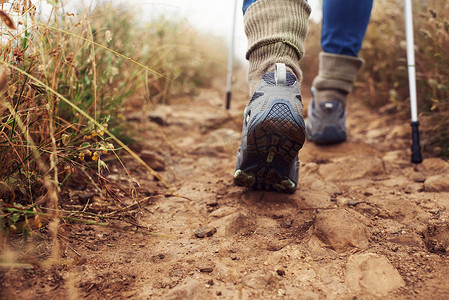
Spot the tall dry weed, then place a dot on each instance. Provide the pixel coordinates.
(384, 77)
(65, 80)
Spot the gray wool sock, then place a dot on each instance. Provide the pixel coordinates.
(276, 30)
(336, 76)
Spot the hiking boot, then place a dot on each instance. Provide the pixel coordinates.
(326, 121)
(273, 132)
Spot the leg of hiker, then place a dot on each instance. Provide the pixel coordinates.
(273, 127)
(343, 29)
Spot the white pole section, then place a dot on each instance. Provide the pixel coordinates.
(411, 58)
(231, 59)
(416, 148)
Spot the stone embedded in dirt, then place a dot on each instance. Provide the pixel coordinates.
(437, 183)
(156, 118)
(434, 164)
(419, 178)
(206, 269)
(154, 160)
(280, 271)
(239, 223)
(436, 238)
(258, 280)
(223, 212)
(84, 197)
(190, 289)
(372, 274)
(286, 223)
(351, 168)
(205, 231)
(341, 230)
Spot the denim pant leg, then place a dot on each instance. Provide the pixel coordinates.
(344, 25)
(247, 3)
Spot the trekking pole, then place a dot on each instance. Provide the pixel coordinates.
(230, 59)
(416, 148)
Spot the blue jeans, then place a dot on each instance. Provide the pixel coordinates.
(344, 25)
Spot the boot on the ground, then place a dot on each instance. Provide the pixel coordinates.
(326, 117)
(273, 126)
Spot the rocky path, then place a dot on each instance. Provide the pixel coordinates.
(364, 223)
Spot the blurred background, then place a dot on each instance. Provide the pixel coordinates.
(213, 18)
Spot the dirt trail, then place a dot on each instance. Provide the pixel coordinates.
(363, 224)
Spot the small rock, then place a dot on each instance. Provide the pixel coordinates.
(205, 231)
(159, 120)
(352, 202)
(280, 271)
(341, 230)
(419, 178)
(437, 183)
(84, 197)
(257, 280)
(372, 274)
(206, 269)
(434, 164)
(239, 223)
(287, 223)
(154, 160)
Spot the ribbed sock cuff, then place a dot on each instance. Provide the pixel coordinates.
(337, 72)
(276, 30)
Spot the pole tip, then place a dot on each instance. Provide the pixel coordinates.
(228, 100)
(416, 148)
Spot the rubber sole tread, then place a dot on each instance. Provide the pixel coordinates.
(272, 148)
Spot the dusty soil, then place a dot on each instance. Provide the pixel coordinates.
(364, 223)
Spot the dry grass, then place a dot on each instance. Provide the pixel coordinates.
(384, 78)
(64, 84)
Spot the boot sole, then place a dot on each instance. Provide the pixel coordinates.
(273, 143)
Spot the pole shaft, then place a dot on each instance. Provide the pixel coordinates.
(416, 147)
(231, 59)
(411, 58)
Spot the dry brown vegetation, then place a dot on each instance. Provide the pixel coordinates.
(66, 80)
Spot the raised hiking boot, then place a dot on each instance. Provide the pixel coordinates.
(326, 122)
(273, 132)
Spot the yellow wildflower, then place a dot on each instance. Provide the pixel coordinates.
(95, 156)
